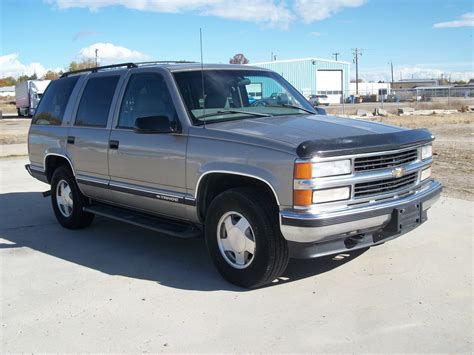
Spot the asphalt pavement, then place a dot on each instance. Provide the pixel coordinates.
(118, 288)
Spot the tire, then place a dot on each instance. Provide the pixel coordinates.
(270, 257)
(70, 217)
(18, 111)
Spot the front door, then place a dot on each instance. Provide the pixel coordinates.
(147, 171)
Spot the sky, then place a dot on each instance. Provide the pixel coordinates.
(423, 38)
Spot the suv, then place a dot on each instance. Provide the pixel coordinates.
(179, 149)
(318, 100)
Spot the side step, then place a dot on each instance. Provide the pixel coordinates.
(159, 224)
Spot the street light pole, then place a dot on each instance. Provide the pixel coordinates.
(96, 56)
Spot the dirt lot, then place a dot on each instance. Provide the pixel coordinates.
(453, 148)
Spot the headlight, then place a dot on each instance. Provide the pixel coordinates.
(330, 195)
(308, 170)
(425, 174)
(331, 168)
(426, 152)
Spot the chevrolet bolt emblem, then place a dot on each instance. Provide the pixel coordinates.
(398, 172)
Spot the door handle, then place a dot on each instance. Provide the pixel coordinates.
(71, 139)
(113, 144)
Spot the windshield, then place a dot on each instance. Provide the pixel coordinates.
(238, 94)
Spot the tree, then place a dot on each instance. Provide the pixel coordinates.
(8, 81)
(238, 59)
(22, 78)
(51, 75)
(84, 64)
(471, 81)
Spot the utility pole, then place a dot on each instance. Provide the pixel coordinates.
(96, 58)
(391, 67)
(357, 54)
(336, 55)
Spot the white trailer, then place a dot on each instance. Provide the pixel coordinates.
(28, 94)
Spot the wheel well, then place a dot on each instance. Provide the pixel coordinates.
(52, 163)
(216, 183)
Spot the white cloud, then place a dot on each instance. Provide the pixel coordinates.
(466, 20)
(273, 13)
(259, 11)
(317, 10)
(109, 52)
(10, 65)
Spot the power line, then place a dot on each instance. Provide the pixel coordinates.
(336, 55)
(357, 53)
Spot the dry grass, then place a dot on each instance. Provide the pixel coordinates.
(434, 120)
(7, 104)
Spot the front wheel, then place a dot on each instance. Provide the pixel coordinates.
(243, 238)
(68, 201)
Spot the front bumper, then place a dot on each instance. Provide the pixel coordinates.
(312, 235)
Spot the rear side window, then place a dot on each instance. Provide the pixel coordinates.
(95, 101)
(54, 101)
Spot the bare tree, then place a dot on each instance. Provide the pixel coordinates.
(238, 59)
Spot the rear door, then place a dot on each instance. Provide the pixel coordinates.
(88, 137)
(147, 171)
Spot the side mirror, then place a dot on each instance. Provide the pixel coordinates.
(155, 124)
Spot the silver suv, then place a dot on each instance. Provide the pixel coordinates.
(180, 149)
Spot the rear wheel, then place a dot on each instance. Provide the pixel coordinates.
(68, 201)
(243, 238)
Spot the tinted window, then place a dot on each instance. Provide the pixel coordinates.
(54, 101)
(146, 96)
(95, 101)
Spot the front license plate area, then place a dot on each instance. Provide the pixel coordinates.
(403, 220)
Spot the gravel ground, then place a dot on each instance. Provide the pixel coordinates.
(116, 288)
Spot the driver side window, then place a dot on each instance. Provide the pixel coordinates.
(146, 95)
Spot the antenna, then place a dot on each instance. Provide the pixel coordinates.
(202, 81)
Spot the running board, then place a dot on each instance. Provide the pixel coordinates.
(159, 224)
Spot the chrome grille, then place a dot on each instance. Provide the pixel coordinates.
(385, 186)
(385, 161)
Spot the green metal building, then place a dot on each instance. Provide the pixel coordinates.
(314, 76)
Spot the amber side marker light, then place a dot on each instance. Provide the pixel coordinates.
(303, 170)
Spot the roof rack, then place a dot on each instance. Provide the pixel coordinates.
(96, 69)
(165, 62)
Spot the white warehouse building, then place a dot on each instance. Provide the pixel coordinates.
(314, 76)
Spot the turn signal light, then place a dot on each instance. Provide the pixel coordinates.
(302, 197)
(303, 170)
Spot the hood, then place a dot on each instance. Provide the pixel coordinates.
(324, 135)
(294, 130)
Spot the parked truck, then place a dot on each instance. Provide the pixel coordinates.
(179, 149)
(28, 94)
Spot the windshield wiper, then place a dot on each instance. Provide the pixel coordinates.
(292, 106)
(218, 113)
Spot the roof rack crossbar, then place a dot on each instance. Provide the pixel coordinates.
(96, 69)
